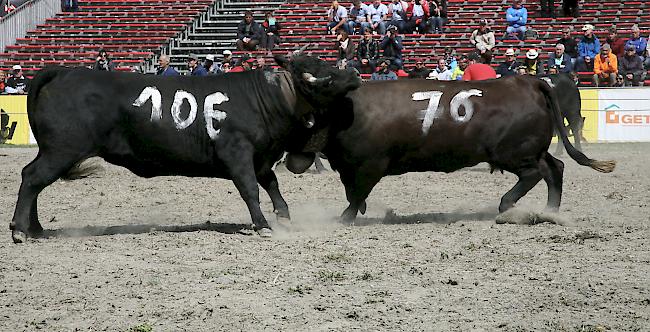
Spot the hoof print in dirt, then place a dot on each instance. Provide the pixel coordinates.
(521, 217)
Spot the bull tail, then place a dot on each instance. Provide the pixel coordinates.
(83, 169)
(605, 166)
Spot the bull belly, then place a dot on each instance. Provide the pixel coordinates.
(438, 162)
(150, 165)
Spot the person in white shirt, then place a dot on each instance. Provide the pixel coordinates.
(442, 72)
(337, 17)
(397, 11)
(378, 14)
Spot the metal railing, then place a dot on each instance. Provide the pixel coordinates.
(26, 17)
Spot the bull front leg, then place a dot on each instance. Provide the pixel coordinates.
(269, 182)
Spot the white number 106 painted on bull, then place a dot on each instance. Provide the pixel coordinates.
(433, 111)
(209, 113)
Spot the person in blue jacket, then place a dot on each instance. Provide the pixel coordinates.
(517, 17)
(164, 68)
(589, 45)
(640, 44)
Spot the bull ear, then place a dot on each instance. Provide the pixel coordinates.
(282, 61)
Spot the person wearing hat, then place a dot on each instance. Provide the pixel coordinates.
(517, 17)
(397, 11)
(385, 72)
(420, 71)
(477, 71)
(508, 67)
(631, 67)
(605, 67)
(416, 16)
(194, 66)
(639, 43)
(227, 58)
(483, 39)
(249, 33)
(17, 84)
(533, 65)
(209, 64)
(164, 69)
(560, 60)
(589, 44)
(391, 46)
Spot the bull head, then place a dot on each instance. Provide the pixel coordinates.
(320, 88)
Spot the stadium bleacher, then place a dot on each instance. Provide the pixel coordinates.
(134, 31)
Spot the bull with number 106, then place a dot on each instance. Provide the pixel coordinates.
(234, 126)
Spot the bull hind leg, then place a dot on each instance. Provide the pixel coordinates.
(552, 170)
(238, 159)
(36, 176)
(528, 178)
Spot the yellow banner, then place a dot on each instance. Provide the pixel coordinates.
(589, 99)
(14, 126)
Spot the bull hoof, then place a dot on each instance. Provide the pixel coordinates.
(265, 232)
(18, 236)
(363, 207)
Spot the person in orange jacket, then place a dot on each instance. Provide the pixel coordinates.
(605, 67)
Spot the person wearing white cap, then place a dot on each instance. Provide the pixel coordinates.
(17, 83)
(209, 64)
(533, 65)
(509, 67)
(589, 45)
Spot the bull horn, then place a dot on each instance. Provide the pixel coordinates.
(299, 51)
(315, 80)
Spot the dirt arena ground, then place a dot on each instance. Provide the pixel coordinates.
(174, 254)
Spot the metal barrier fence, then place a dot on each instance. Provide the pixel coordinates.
(16, 23)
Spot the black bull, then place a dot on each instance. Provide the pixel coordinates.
(234, 126)
(419, 125)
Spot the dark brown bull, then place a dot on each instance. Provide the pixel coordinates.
(507, 123)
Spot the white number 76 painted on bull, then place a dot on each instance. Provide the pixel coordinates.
(209, 113)
(433, 111)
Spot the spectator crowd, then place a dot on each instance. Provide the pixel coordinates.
(379, 50)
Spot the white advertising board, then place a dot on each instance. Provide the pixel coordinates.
(624, 115)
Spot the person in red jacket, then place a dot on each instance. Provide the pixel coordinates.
(477, 71)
